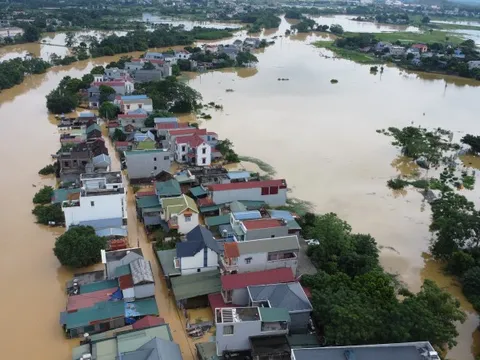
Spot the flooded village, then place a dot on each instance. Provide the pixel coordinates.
(204, 258)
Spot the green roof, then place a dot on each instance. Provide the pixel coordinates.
(207, 350)
(198, 191)
(122, 270)
(151, 209)
(100, 311)
(168, 188)
(177, 205)
(183, 179)
(189, 286)
(78, 351)
(93, 127)
(274, 314)
(237, 206)
(205, 209)
(166, 258)
(252, 204)
(99, 285)
(148, 201)
(302, 340)
(146, 145)
(147, 151)
(217, 220)
(60, 195)
(133, 340)
(293, 225)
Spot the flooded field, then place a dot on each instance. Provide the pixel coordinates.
(320, 137)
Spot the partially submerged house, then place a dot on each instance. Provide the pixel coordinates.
(180, 213)
(146, 164)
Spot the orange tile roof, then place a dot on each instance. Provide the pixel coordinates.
(231, 250)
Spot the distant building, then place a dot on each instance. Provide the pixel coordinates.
(420, 47)
(475, 64)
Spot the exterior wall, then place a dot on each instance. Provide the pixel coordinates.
(259, 262)
(104, 207)
(132, 106)
(138, 123)
(152, 220)
(180, 151)
(191, 264)
(266, 233)
(221, 197)
(239, 340)
(133, 66)
(144, 291)
(143, 165)
(240, 297)
(299, 322)
(185, 227)
(200, 156)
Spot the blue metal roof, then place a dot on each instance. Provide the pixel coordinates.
(281, 214)
(116, 231)
(247, 215)
(134, 97)
(163, 120)
(235, 175)
(103, 223)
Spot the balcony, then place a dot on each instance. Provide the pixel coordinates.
(70, 203)
(173, 223)
(229, 264)
(274, 326)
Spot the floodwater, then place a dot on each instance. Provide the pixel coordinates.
(187, 24)
(320, 137)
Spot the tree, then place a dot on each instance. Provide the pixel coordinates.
(336, 29)
(59, 102)
(119, 135)
(79, 246)
(105, 93)
(148, 66)
(472, 141)
(244, 58)
(87, 79)
(150, 120)
(425, 20)
(108, 110)
(47, 214)
(43, 196)
(97, 70)
(31, 33)
(176, 70)
(70, 39)
(47, 170)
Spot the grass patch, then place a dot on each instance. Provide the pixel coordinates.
(455, 26)
(352, 55)
(300, 207)
(261, 164)
(412, 37)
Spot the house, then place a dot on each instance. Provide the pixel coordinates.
(94, 131)
(148, 209)
(174, 133)
(249, 225)
(293, 226)
(60, 195)
(381, 45)
(421, 350)
(199, 253)
(101, 163)
(154, 56)
(290, 296)
(458, 54)
(180, 213)
(234, 286)
(420, 47)
(260, 255)
(238, 176)
(145, 164)
(474, 64)
(193, 150)
(231, 51)
(122, 146)
(85, 117)
(235, 327)
(191, 291)
(73, 161)
(128, 103)
(251, 43)
(166, 189)
(182, 55)
(122, 87)
(155, 342)
(136, 120)
(397, 50)
(101, 204)
(272, 192)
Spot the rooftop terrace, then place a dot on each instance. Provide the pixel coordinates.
(233, 315)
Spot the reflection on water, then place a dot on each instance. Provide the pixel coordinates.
(360, 26)
(406, 166)
(188, 24)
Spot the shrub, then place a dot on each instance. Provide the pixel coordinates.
(49, 213)
(43, 196)
(47, 170)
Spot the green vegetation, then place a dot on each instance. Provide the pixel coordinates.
(473, 142)
(258, 20)
(226, 149)
(13, 72)
(47, 214)
(353, 55)
(47, 170)
(297, 206)
(66, 97)
(108, 111)
(79, 246)
(43, 196)
(356, 302)
(420, 37)
(150, 120)
(267, 168)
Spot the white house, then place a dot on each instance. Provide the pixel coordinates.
(180, 213)
(199, 253)
(273, 192)
(101, 202)
(182, 55)
(130, 103)
(193, 150)
(121, 86)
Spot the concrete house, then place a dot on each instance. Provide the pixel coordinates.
(180, 213)
(199, 253)
(397, 50)
(193, 150)
(101, 202)
(234, 286)
(290, 296)
(145, 164)
(128, 103)
(174, 133)
(474, 64)
(136, 120)
(236, 326)
(245, 227)
(272, 192)
(122, 87)
(260, 255)
(72, 162)
(420, 47)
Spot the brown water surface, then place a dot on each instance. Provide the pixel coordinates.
(320, 137)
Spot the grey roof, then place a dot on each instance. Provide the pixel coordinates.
(400, 351)
(101, 224)
(289, 296)
(155, 349)
(197, 239)
(127, 259)
(283, 243)
(141, 271)
(101, 160)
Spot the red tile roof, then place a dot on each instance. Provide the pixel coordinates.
(132, 116)
(419, 46)
(145, 193)
(125, 281)
(216, 302)
(281, 183)
(190, 131)
(231, 250)
(121, 143)
(273, 276)
(193, 140)
(262, 224)
(113, 124)
(76, 302)
(167, 126)
(148, 321)
(307, 291)
(205, 202)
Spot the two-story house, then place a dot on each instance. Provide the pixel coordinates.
(199, 253)
(245, 227)
(73, 162)
(259, 255)
(234, 286)
(122, 86)
(235, 327)
(136, 120)
(193, 150)
(272, 192)
(101, 202)
(180, 213)
(146, 164)
(128, 103)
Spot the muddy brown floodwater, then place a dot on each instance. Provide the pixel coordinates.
(320, 137)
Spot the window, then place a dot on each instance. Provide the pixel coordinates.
(166, 158)
(154, 159)
(188, 218)
(140, 106)
(204, 151)
(265, 191)
(204, 160)
(133, 121)
(115, 186)
(198, 270)
(128, 107)
(154, 168)
(273, 190)
(92, 203)
(228, 330)
(183, 148)
(248, 260)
